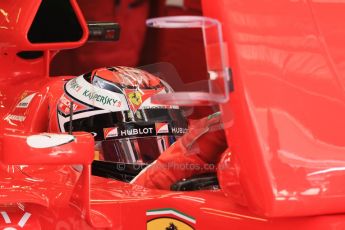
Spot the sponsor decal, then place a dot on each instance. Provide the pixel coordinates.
(136, 131)
(138, 98)
(65, 104)
(128, 131)
(13, 117)
(25, 99)
(178, 130)
(135, 98)
(133, 129)
(105, 100)
(20, 111)
(111, 132)
(162, 128)
(73, 84)
(156, 107)
(90, 95)
(169, 219)
(47, 140)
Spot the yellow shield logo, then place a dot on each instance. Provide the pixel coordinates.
(135, 98)
(167, 223)
(169, 219)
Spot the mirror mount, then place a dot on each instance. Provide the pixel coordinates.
(58, 149)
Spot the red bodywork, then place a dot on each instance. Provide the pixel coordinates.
(285, 165)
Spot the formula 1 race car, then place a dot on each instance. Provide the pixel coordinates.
(282, 108)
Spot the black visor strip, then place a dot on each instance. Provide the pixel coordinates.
(127, 120)
(127, 130)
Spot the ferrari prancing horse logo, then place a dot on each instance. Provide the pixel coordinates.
(135, 98)
(169, 219)
(139, 97)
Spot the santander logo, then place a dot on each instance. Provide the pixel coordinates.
(162, 128)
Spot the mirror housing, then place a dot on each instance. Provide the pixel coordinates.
(47, 148)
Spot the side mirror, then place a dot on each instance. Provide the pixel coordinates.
(47, 148)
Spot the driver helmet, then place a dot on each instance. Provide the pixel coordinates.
(114, 104)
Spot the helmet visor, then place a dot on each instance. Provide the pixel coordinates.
(142, 150)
